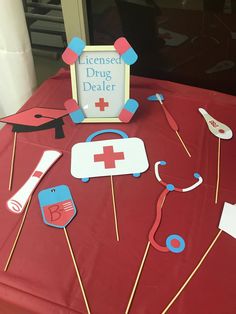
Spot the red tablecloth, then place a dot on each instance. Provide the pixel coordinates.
(41, 277)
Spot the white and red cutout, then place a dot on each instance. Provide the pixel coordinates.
(217, 128)
(17, 202)
(108, 157)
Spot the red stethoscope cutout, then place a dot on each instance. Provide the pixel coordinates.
(174, 242)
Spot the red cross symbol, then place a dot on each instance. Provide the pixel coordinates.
(101, 104)
(109, 157)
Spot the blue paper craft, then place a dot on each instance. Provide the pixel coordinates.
(155, 98)
(128, 110)
(58, 209)
(57, 206)
(125, 50)
(74, 110)
(73, 50)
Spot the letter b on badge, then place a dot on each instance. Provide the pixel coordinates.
(57, 206)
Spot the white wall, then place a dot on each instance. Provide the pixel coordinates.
(17, 75)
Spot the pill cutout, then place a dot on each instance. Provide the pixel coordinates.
(73, 50)
(125, 50)
(76, 114)
(128, 110)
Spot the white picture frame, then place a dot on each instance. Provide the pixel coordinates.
(100, 76)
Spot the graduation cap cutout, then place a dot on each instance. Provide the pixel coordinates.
(36, 119)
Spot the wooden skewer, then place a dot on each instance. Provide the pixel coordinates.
(138, 277)
(182, 142)
(218, 173)
(12, 162)
(193, 273)
(139, 272)
(114, 209)
(173, 125)
(18, 235)
(77, 271)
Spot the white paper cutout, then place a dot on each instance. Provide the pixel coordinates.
(217, 128)
(228, 219)
(18, 201)
(113, 157)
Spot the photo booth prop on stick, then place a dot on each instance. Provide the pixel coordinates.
(22, 198)
(58, 209)
(171, 121)
(100, 78)
(228, 225)
(109, 158)
(228, 219)
(37, 119)
(30, 120)
(18, 201)
(221, 131)
(174, 242)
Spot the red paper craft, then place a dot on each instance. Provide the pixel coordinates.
(34, 119)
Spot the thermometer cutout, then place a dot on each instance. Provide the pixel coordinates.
(171, 121)
(221, 131)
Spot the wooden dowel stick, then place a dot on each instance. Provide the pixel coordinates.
(138, 277)
(77, 271)
(18, 235)
(12, 162)
(193, 273)
(182, 142)
(218, 173)
(139, 272)
(114, 209)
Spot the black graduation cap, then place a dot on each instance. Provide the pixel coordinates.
(36, 119)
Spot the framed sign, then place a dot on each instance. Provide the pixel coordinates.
(100, 78)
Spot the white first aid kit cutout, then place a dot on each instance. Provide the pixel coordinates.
(108, 157)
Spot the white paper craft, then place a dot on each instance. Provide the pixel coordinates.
(228, 219)
(108, 157)
(17, 202)
(221, 131)
(217, 128)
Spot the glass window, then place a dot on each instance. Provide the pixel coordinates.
(191, 42)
